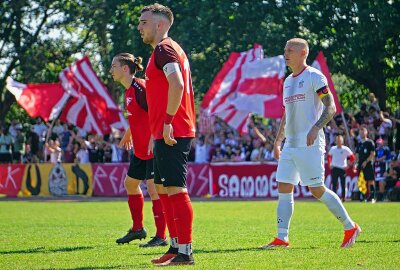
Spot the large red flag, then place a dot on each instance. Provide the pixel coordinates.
(39, 100)
(247, 83)
(90, 106)
(320, 64)
(81, 96)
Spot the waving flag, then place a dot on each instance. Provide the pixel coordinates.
(247, 83)
(39, 100)
(320, 64)
(361, 183)
(81, 97)
(260, 87)
(90, 106)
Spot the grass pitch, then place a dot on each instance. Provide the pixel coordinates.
(81, 235)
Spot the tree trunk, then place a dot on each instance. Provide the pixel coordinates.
(377, 84)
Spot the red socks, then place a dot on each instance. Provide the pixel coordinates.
(168, 214)
(159, 218)
(136, 203)
(183, 213)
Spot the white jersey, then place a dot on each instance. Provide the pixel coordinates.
(303, 107)
(339, 156)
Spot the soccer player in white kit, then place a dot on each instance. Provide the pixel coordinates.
(309, 106)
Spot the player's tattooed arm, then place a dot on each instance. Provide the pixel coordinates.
(279, 137)
(328, 112)
(281, 132)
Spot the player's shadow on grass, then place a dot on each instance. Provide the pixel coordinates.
(97, 267)
(44, 250)
(206, 251)
(378, 241)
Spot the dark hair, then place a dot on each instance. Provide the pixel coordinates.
(134, 63)
(160, 10)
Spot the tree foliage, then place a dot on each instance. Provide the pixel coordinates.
(359, 38)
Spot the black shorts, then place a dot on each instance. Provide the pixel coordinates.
(369, 174)
(141, 169)
(170, 166)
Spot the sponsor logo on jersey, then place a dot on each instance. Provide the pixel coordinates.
(128, 101)
(295, 98)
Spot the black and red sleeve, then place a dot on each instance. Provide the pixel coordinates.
(164, 54)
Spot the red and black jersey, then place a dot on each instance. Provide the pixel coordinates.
(138, 118)
(184, 122)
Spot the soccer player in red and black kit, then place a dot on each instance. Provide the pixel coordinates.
(172, 123)
(138, 138)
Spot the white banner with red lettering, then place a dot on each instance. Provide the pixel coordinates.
(256, 180)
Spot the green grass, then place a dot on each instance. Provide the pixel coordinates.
(81, 235)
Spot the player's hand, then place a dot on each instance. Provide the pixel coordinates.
(312, 135)
(364, 164)
(126, 142)
(168, 135)
(150, 147)
(277, 150)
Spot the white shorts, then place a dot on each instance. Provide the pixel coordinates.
(302, 164)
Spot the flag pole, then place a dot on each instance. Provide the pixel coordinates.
(55, 118)
(347, 132)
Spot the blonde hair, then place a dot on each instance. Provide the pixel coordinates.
(134, 63)
(300, 42)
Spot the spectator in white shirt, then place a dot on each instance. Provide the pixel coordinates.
(82, 156)
(337, 160)
(201, 151)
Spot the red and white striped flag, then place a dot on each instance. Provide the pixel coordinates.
(247, 83)
(81, 97)
(39, 100)
(90, 106)
(320, 64)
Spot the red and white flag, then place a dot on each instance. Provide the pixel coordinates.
(39, 100)
(81, 97)
(320, 64)
(247, 83)
(90, 106)
(260, 87)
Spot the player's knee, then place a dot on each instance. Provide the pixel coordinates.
(152, 193)
(131, 184)
(317, 191)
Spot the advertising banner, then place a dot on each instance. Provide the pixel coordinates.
(11, 178)
(57, 180)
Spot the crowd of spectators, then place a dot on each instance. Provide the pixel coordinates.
(41, 142)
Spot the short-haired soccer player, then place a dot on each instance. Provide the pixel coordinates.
(172, 121)
(309, 106)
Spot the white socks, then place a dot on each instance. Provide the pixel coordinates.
(332, 201)
(284, 214)
(174, 242)
(185, 249)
